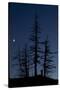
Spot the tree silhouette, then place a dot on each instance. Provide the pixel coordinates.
(26, 62)
(22, 58)
(17, 59)
(48, 59)
(35, 48)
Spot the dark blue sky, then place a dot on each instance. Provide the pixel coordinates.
(21, 21)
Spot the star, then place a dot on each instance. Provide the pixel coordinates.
(13, 40)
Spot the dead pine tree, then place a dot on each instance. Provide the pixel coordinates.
(19, 63)
(26, 62)
(22, 57)
(48, 65)
(35, 37)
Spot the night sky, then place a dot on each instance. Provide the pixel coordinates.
(21, 20)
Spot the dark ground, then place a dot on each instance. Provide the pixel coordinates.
(31, 81)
